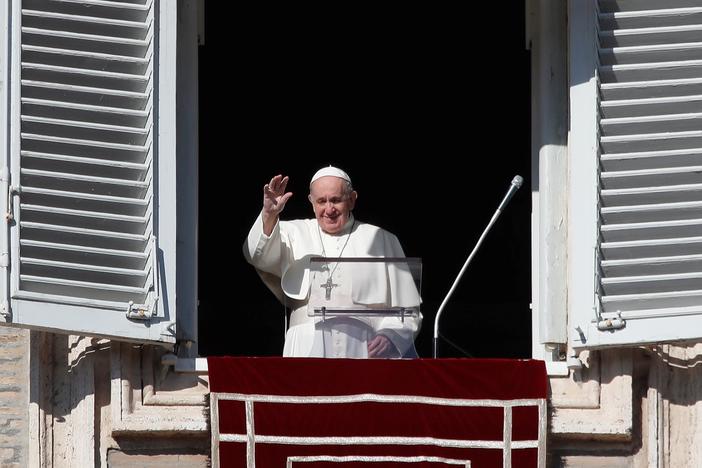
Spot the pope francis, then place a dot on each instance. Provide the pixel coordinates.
(281, 252)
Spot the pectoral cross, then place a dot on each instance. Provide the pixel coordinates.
(328, 286)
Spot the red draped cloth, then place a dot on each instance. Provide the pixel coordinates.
(352, 413)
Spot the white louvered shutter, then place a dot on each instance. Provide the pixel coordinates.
(650, 234)
(85, 254)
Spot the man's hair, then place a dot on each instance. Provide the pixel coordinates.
(348, 188)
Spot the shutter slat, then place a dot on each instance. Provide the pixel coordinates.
(651, 177)
(651, 124)
(84, 267)
(611, 6)
(651, 71)
(651, 142)
(85, 249)
(685, 228)
(650, 53)
(87, 71)
(652, 212)
(86, 255)
(663, 303)
(640, 284)
(85, 133)
(77, 257)
(87, 89)
(651, 106)
(130, 100)
(87, 54)
(88, 161)
(89, 107)
(94, 143)
(652, 35)
(112, 4)
(87, 178)
(88, 37)
(82, 236)
(652, 248)
(653, 266)
(650, 195)
(651, 89)
(82, 284)
(101, 215)
(84, 118)
(90, 223)
(84, 18)
(650, 18)
(89, 9)
(679, 242)
(56, 230)
(83, 256)
(87, 196)
(614, 162)
(94, 203)
(86, 124)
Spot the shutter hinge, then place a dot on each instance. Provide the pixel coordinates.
(11, 192)
(5, 311)
(611, 323)
(168, 329)
(142, 311)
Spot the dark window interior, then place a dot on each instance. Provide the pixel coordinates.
(426, 108)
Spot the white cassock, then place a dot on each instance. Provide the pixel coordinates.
(283, 262)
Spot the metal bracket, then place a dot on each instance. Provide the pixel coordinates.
(611, 323)
(142, 311)
(11, 192)
(5, 311)
(5, 185)
(574, 362)
(168, 329)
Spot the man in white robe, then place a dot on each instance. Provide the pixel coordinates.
(281, 252)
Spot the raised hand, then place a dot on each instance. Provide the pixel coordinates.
(274, 200)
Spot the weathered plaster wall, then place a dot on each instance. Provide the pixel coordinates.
(660, 388)
(14, 394)
(95, 400)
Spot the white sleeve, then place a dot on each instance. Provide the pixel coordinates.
(262, 251)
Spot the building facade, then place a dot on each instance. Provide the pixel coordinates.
(99, 253)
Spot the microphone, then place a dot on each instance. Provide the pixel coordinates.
(514, 186)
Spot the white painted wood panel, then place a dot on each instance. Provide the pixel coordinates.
(92, 167)
(648, 255)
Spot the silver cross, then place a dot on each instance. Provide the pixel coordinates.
(328, 286)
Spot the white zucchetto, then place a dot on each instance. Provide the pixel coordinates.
(330, 171)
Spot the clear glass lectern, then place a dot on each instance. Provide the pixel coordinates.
(353, 299)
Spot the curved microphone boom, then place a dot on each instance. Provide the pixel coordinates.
(514, 186)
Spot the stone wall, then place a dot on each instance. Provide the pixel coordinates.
(14, 372)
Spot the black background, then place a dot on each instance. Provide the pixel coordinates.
(427, 109)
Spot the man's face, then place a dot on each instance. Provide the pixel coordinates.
(331, 204)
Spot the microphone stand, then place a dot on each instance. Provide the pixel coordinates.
(514, 186)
